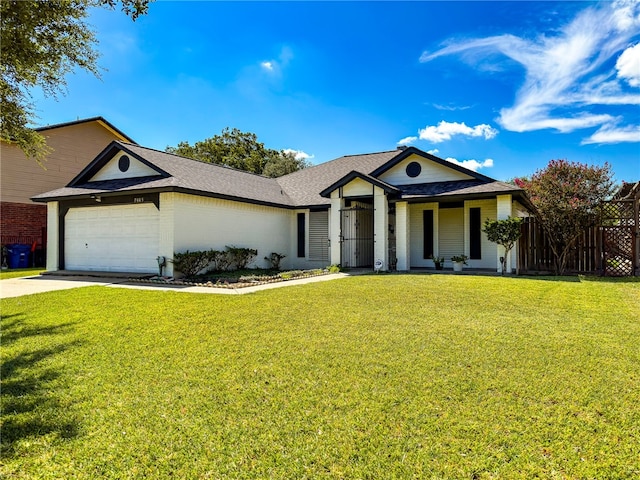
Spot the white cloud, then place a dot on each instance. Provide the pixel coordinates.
(276, 65)
(613, 134)
(628, 65)
(407, 140)
(298, 154)
(472, 164)
(564, 69)
(435, 151)
(451, 108)
(445, 130)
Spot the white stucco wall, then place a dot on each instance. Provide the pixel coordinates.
(504, 210)
(416, 232)
(202, 223)
(403, 234)
(53, 255)
(381, 227)
(456, 237)
(337, 204)
(488, 250)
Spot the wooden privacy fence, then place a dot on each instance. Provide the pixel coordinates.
(609, 249)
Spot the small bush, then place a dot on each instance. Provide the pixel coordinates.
(192, 263)
(334, 268)
(274, 259)
(222, 261)
(241, 257)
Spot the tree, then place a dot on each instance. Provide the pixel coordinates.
(240, 150)
(43, 41)
(503, 232)
(567, 197)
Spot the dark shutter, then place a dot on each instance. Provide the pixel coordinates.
(301, 229)
(427, 230)
(475, 250)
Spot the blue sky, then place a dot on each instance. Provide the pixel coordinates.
(502, 87)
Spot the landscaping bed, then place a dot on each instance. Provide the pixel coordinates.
(238, 279)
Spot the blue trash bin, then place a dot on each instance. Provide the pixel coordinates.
(18, 255)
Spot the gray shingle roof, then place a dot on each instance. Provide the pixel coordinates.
(183, 174)
(461, 187)
(298, 189)
(304, 186)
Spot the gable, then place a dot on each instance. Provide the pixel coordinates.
(357, 188)
(416, 169)
(123, 165)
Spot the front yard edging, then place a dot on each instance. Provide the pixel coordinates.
(242, 282)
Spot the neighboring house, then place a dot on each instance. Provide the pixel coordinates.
(22, 221)
(132, 204)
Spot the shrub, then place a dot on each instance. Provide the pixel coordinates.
(192, 263)
(334, 268)
(274, 259)
(222, 261)
(241, 257)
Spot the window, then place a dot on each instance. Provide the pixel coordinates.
(123, 163)
(319, 236)
(475, 237)
(413, 169)
(427, 228)
(301, 234)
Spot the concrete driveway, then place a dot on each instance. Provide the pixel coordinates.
(16, 287)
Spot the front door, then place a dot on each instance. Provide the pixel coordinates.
(357, 236)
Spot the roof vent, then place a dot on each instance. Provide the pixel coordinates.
(402, 147)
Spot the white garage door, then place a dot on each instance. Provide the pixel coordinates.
(118, 238)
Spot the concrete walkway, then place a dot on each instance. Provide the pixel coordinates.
(16, 287)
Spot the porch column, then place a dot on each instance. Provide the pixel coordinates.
(403, 234)
(504, 206)
(53, 228)
(335, 228)
(380, 227)
(167, 239)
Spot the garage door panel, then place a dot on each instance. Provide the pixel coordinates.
(112, 238)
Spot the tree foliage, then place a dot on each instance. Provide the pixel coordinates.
(504, 232)
(240, 150)
(568, 197)
(42, 42)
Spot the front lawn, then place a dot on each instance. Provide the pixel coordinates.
(20, 272)
(394, 376)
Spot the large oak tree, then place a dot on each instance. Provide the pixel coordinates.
(243, 151)
(42, 42)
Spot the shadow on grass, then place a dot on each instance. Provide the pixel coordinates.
(30, 396)
(579, 278)
(550, 278)
(589, 278)
(13, 329)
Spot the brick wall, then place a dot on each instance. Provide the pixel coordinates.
(23, 223)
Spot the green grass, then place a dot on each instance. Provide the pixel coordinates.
(394, 376)
(20, 272)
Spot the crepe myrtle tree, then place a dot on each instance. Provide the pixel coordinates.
(505, 233)
(568, 198)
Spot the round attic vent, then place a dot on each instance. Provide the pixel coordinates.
(413, 169)
(123, 163)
